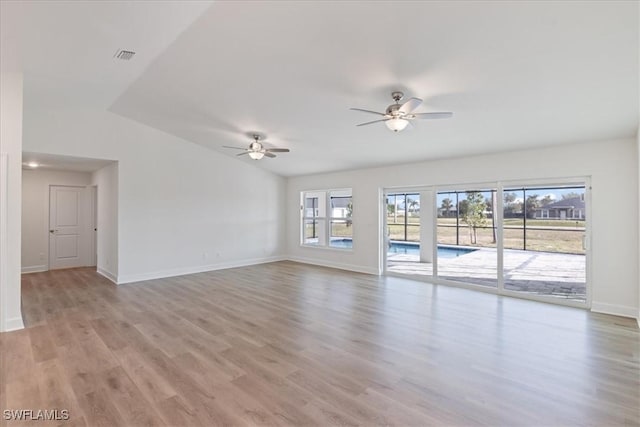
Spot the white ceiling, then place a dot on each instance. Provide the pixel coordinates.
(65, 48)
(516, 74)
(63, 163)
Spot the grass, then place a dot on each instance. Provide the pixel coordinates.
(559, 241)
(556, 237)
(518, 222)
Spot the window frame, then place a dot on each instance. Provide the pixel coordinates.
(324, 216)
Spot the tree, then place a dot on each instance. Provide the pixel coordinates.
(447, 204)
(510, 204)
(463, 207)
(349, 213)
(391, 209)
(546, 200)
(474, 214)
(510, 198)
(571, 195)
(414, 205)
(531, 205)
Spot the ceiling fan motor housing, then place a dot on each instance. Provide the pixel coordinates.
(393, 110)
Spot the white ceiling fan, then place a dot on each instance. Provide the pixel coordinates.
(257, 151)
(397, 116)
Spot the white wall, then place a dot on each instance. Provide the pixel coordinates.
(10, 200)
(612, 166)
(181, 207)
(106, 180)
(35, 213)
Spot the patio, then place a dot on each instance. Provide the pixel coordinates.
(539, 273)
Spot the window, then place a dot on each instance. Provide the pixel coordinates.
(327, 218)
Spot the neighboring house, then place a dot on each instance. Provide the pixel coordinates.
(572, 208)
(340, 207)
(447, 213)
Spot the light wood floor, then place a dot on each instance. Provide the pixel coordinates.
(290, 344)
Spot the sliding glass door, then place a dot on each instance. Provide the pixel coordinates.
(467, 238)
(526, 240)
(544, 238)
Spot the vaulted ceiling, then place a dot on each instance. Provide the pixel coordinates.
(516, 74)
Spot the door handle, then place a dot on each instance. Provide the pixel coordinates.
(52, 231)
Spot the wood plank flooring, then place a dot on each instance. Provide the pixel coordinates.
(292, 344)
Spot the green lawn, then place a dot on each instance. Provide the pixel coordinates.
(547, 240)
(561, 241)
(518, 222)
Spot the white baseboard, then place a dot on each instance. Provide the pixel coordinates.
(107, 274)
(13, 324)
(339, 266)
(131, 278)
(35, 269)
(615, 309)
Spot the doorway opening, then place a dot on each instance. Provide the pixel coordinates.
(69, 212)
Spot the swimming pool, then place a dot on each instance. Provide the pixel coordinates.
(409, 248)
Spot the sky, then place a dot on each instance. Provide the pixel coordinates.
(555, 194)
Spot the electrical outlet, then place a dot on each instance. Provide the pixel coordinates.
(41, 256)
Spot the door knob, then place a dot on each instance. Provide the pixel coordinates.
(52, 231)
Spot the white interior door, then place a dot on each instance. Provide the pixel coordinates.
(65, 227)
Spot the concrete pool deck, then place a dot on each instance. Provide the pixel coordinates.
(538, 273)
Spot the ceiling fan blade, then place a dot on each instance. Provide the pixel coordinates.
(368, 111)
(444, 115)
(410, 105)
(375, 121)
(235, 148)
(277, 150)
(242, 154)
(268, 154)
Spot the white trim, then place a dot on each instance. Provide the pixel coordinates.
(131, 278)
(35, 269)
(337, 265)
(499, 187)
(107, 274)
(13, 324)
(326, 216)
(4, 173)
(615, 309)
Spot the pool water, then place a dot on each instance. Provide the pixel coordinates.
(409, 249)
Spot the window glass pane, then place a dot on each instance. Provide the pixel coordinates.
(314, 232)
(341, 233)
(311, 207)
(403, 216)
(467, 236)
(315, 204)
(341, 206)
(447, 208)
(327, 218)
(544, 229)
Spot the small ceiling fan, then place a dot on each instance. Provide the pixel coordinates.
(397, 116)
(257, 151)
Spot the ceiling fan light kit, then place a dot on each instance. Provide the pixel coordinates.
(257, 151)
(256, 155)
(396, 117)
(396, 125)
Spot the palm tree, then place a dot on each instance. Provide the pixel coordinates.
(447, 204)
(414, 205)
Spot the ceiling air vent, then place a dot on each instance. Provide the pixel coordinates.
(125, 55)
